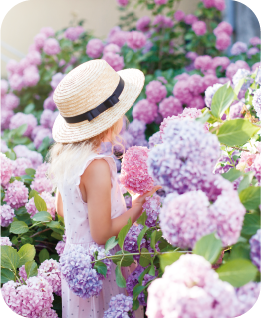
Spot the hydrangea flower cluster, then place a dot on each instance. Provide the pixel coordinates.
(199, 27)
(143, 24)
(255, 244)
(234, 67)
(7, 215)
(16, 194)
(190, 19)
(50, 203)
(240, 74)
(6, 169)
(170, 106)
(145, 111)
(22, 273)
(179, 15)
(152, 208)
(130, 244)
(247, 296)
(51, 47)
(114, 60)
(114, 48)
(101, 254)
(73, 33)
(5, 241)
(137, 130)
(235, 110)
(94, 48)
(223, 34)
(136, 40)
(210, 92)
(50, 271)
(155, 91)
(155, 140)
(20, 118)
(120, 306)
(20, 165)
(40, 182)
(56, 79)
(35, 157)
(32, 300)
(238, 48)
(77, 270)
(118, 37)
(60, 246)
(134, 175)
(161, 22)
(189, 287)
(257, 102)
(185, 158)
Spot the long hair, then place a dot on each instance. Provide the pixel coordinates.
(67, 159)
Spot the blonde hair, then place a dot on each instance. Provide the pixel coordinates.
(67, 159)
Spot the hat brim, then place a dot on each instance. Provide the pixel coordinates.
(69, 133)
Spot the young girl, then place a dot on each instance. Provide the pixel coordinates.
(92, 100)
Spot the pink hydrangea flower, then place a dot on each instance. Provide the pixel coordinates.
(41, 134)
(20, 118)
(152, 207)
(182, 92)
(41, 183)
(203, 63)
(182, 77)
(4, 87)
(94, 48)
(118, 37)
(199, 27)
(252, 51)
(255, 66)
(145, 111)
(161, 21)
(242, 64)
(220, 61)
(223, 41)
(196, 85)
(155, 91)
(235, 110)
(255, 41)
(7, 215)
(170, 106)
(220, 5)
(13, 67)
(31, 300)
(5, 241)
(50, 203)
(24, 63)
(186, 289)
(19, 166)
(39, 40)
(73, 33)
(6, 116)
(35, 157)
(246, 161)
(159, 2)
(123, 3)
(190, 19)
(34, 58)
(210, 92)
(10, 101)
(51, 47)
(192, 56)
(60, 247)
(197, 102)
(234, 67)
(50, 271)
(56, 79)
(114, 48)
(209, 3)
(238, 48)
(114, 60)
(223, 27)
(49, 103)
(143, 24)
(247, 296)
(46, 118)
(31, 76)
(134, 173)
(209, 80)
(6, 169)
(16, 82)
(136, 40)
(16, 194)
(22, 273)
(48, 31)
(179, 15)
(3, 146)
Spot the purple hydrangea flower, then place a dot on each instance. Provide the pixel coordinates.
(238, 48)
(73, 33)
(255, 41)
(77, 270)
(209, 93)
(51, 47)
(252, 51)
(143, 24)
(255, 244)
(56, 79)
(16, 194)
(152, 208)
(240, 74)
(94, 48)
(114, 60)
(50, 271)
(137, 128)
(136, 40)
(49, 103)
(5, 241)
(130, 244)
(20, 118)
(39, 40)
(257, 102)
(128, 201)
(101, 254)
(60, 247)
(235, 110)
(185, 158)
(132, 279)
(145, 111)
(35, 157)
(6, 116)
(155, 140)
(170, 106)
(41, 134)
(120, 306)
(155, 91)
(247, 296)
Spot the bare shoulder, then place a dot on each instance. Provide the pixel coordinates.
(96, 170)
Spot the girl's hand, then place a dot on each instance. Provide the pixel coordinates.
(140, 199)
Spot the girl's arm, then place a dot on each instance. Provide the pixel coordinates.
(59, 203)
(96, 189)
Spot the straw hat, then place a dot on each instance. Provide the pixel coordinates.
(86, 87)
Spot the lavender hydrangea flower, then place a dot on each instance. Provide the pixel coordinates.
(51, 47)
(94, 48)
(247, 296)
(56, 79)
(76, 268)
(101, 254)
(10, 101)
(255, 244)
(128, 201)
(114, 60)
(20, 165)
(170, 106)
(145, 111)
(155, 140)
(20, 118)
(137, 128)
(235, 110)
(185, 158)
(225, 163)
(209, 93)
(7, 215)
(143, 24)
(35, 157)
(5, 241)
(50, 270)
(132, 279)
(120, 306)
(190, 288)
(152, 208)
(252, 51)
(257, 102)
(41, 134)
(240, 74)
(130, 244)
(60, 247)
(238, 48)
(16, 194)
(155, 91)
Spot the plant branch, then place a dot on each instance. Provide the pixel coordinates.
(40, 232)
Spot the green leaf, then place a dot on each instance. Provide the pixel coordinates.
(221, 100)
(250, 197)
(31, 269)
(142, 219)
(6, 275)
(30, 172)
(55, 226)
(144, 258)
(111, 243)
(236, 132)
(39, 203)
(152, 270)
(26, 254)
(237, 272)
(209, 247)
(232, 174)
(19, 227)
(153, 240)
(204, 117)
(126, 260)
(20, 130)
(42, 216)
(29, 108)
(136, 304)
(101, 268)
(43, 255)
(168, 259)
(123, 233)
(10, 154)
(239, 86)
(57, 236)
(251, 224)
(240, 250)
(137, 290)
(32, 194)
(120, 280)
(245, 182)
(140, 236)
(9, 257)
